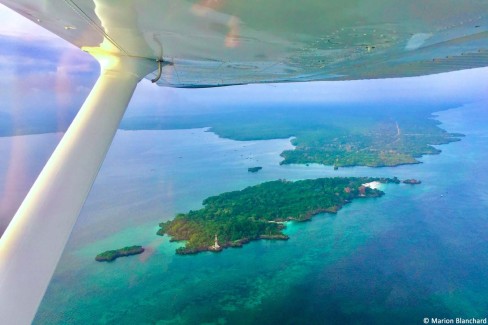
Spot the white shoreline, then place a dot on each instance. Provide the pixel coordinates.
(373, 185)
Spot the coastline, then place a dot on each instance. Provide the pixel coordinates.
(316, 196)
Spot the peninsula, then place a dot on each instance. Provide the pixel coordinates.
(339, 136)
(109, 256)
(259, 212)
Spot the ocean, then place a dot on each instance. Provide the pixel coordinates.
(417, 252)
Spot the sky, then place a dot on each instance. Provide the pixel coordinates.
(43, 75)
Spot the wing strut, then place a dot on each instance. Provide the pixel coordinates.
(33, 243)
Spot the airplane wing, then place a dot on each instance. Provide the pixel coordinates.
(209, 43)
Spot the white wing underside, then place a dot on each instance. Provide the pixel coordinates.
(210, 43)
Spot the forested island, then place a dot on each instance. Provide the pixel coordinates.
(111, 255)
(412, 181)
(258, 212)
(337, 136)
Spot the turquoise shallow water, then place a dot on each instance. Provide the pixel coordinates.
(419, 251)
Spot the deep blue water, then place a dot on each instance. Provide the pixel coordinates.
(419, 251)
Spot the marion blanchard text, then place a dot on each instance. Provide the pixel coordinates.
(455, 321)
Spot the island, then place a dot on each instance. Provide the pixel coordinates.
(235, 218)
(412, 181)
(337, 135)
(254, 169)
(109, 256)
